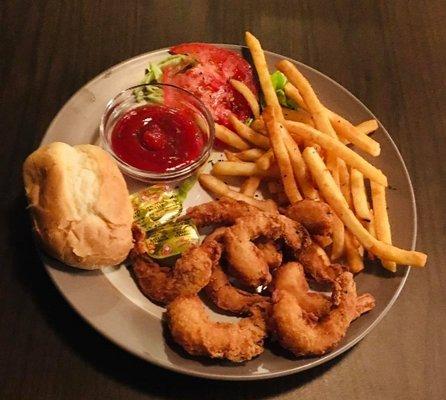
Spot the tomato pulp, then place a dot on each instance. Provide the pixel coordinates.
(209, 79)
(157, 138)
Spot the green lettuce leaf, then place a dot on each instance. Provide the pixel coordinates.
(153, 74)
(279, 81)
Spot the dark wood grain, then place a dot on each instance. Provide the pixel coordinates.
(390, 54)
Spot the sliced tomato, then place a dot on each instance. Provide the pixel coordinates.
(209, 79)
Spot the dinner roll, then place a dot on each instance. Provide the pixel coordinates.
(79, 205)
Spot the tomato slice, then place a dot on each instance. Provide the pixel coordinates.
(209, 78)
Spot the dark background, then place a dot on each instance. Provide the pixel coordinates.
(390, 54)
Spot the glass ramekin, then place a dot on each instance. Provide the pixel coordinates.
(127, 100)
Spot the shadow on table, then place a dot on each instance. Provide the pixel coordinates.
(109, 359)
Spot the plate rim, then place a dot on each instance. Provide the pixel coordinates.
(251, 377)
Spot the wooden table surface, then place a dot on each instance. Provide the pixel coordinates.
(390, 54)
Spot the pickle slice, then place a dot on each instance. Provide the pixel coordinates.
(171, 239)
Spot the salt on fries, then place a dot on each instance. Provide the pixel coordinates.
(248, 134)
(259, 60)
(324, 119)
(336, 200)
(219, 188)
(332, 145)
(250, 185)
(275, 130)
(292, 145)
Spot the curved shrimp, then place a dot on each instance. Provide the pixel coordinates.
(317, 264)
(313, 258)
(190, 274)
(220, 290)
(224, 211)
(270, 253)
(316, 216)
(192, 329)
(245, 259)
(300, 334)
(290, 277)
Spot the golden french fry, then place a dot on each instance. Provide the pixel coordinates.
(335, 199)
(242, 168)
(259, 126)
(231, 156)
(344, 181)
(220, 189)
(264, 162)
(276, 134)
(248, 134)
(317, 110)
(299, 168)
(352, 254)
(230, 138)
(367, 127)
(381, 220)
(338, 235)
(259, 60)
(249, 96)
(299, 115)
(334, 146)
(347, 131)
(359, 195)
(250, 185)
(293, 93)
(250, 155)
(370, 224)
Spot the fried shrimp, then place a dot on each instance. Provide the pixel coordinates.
(300, 333)
(290, 277)
(224, 211)
(190, 274)
(192, 329)
(316, 216)
(364, 303)
(222, 293)
(228, 297)
(245, 259)
(317, 264)
(313, 258)
(270, 253)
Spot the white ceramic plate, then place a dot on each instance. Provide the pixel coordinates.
(110, 301)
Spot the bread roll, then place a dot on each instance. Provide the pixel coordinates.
(79, 205)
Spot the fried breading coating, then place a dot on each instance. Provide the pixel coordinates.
(316, 216)
(224, 211)
(290, 277)
(192, 328)
(245, 259)
(298, 332)
(221, 291)
(190, 274)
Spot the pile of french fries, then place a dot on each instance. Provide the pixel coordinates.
(304, 154)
